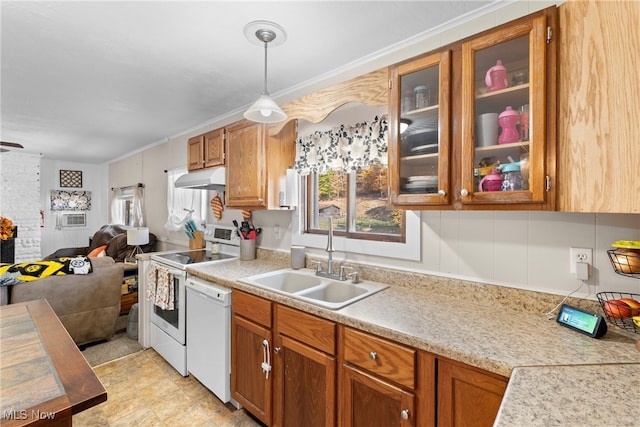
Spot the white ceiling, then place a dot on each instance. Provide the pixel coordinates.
(92, 81)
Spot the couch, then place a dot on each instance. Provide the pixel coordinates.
(88, 305)
(114, 237)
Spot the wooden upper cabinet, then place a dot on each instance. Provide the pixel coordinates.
(420, 131)
(195, 153)
(257, 162)
(246, 169)
(504, 76)
(599, 107)
(523, 102)
(214, 148)
(204, 151)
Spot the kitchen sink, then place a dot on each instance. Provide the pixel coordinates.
(304, 285)
(284, 281)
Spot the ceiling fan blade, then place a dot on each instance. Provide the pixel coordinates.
(11, 144)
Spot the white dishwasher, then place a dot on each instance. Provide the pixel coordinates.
(208, 336)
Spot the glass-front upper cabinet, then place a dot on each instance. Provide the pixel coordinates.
(504, 115)
(419, 131)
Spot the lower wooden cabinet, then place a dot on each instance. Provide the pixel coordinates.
(304, 385)
(304, 369)
(371, 401)
(468, 396)
(251, 339)
(291, 368)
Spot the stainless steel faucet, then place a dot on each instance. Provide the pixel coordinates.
(330, 273)
(330, 250)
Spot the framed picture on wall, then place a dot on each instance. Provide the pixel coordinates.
(70, 178)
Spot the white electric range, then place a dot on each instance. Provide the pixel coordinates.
(168, 327)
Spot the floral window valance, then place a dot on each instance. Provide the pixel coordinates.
(345, 148)
(70, 200)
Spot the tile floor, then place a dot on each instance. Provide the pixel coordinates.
(144, 390)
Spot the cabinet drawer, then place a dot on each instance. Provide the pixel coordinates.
(306, 328)
(252, 307)
(385, 358)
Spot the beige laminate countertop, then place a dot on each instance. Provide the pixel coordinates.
(557, 376)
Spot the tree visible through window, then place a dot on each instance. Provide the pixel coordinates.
(358, 202)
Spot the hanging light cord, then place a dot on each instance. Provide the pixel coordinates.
(265, 92)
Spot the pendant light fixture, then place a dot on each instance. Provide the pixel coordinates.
(265, 109)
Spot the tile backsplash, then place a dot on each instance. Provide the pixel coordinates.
(519, 249)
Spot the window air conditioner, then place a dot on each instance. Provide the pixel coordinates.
(72, 219)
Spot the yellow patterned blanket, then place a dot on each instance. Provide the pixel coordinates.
(13, 274)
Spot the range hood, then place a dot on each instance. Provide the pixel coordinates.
(206, 179)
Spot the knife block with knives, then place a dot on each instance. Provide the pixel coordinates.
(198, 240)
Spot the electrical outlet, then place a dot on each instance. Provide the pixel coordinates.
(579, 255)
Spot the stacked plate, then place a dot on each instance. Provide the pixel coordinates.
(424, 149)
(421, 184)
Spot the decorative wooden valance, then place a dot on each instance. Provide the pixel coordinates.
(370, 89)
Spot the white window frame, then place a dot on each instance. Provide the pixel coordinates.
(409, 249)
(200, 203)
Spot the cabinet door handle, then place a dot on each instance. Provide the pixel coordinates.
(276, 350)
(266, 359)
(464, 192)
(404, 414)
(442, 193)
(373, 355)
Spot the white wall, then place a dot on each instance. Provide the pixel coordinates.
(94, 179)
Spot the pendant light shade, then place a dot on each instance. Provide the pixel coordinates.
(265, 109)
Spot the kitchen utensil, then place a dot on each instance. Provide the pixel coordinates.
(491, 182)
(235, 224)
(487, 129)
(508, 121)
(245, 228)
(496, 77)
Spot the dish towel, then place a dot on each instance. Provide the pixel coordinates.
(160, 289)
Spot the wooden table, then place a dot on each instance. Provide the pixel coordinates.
(44, 377)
